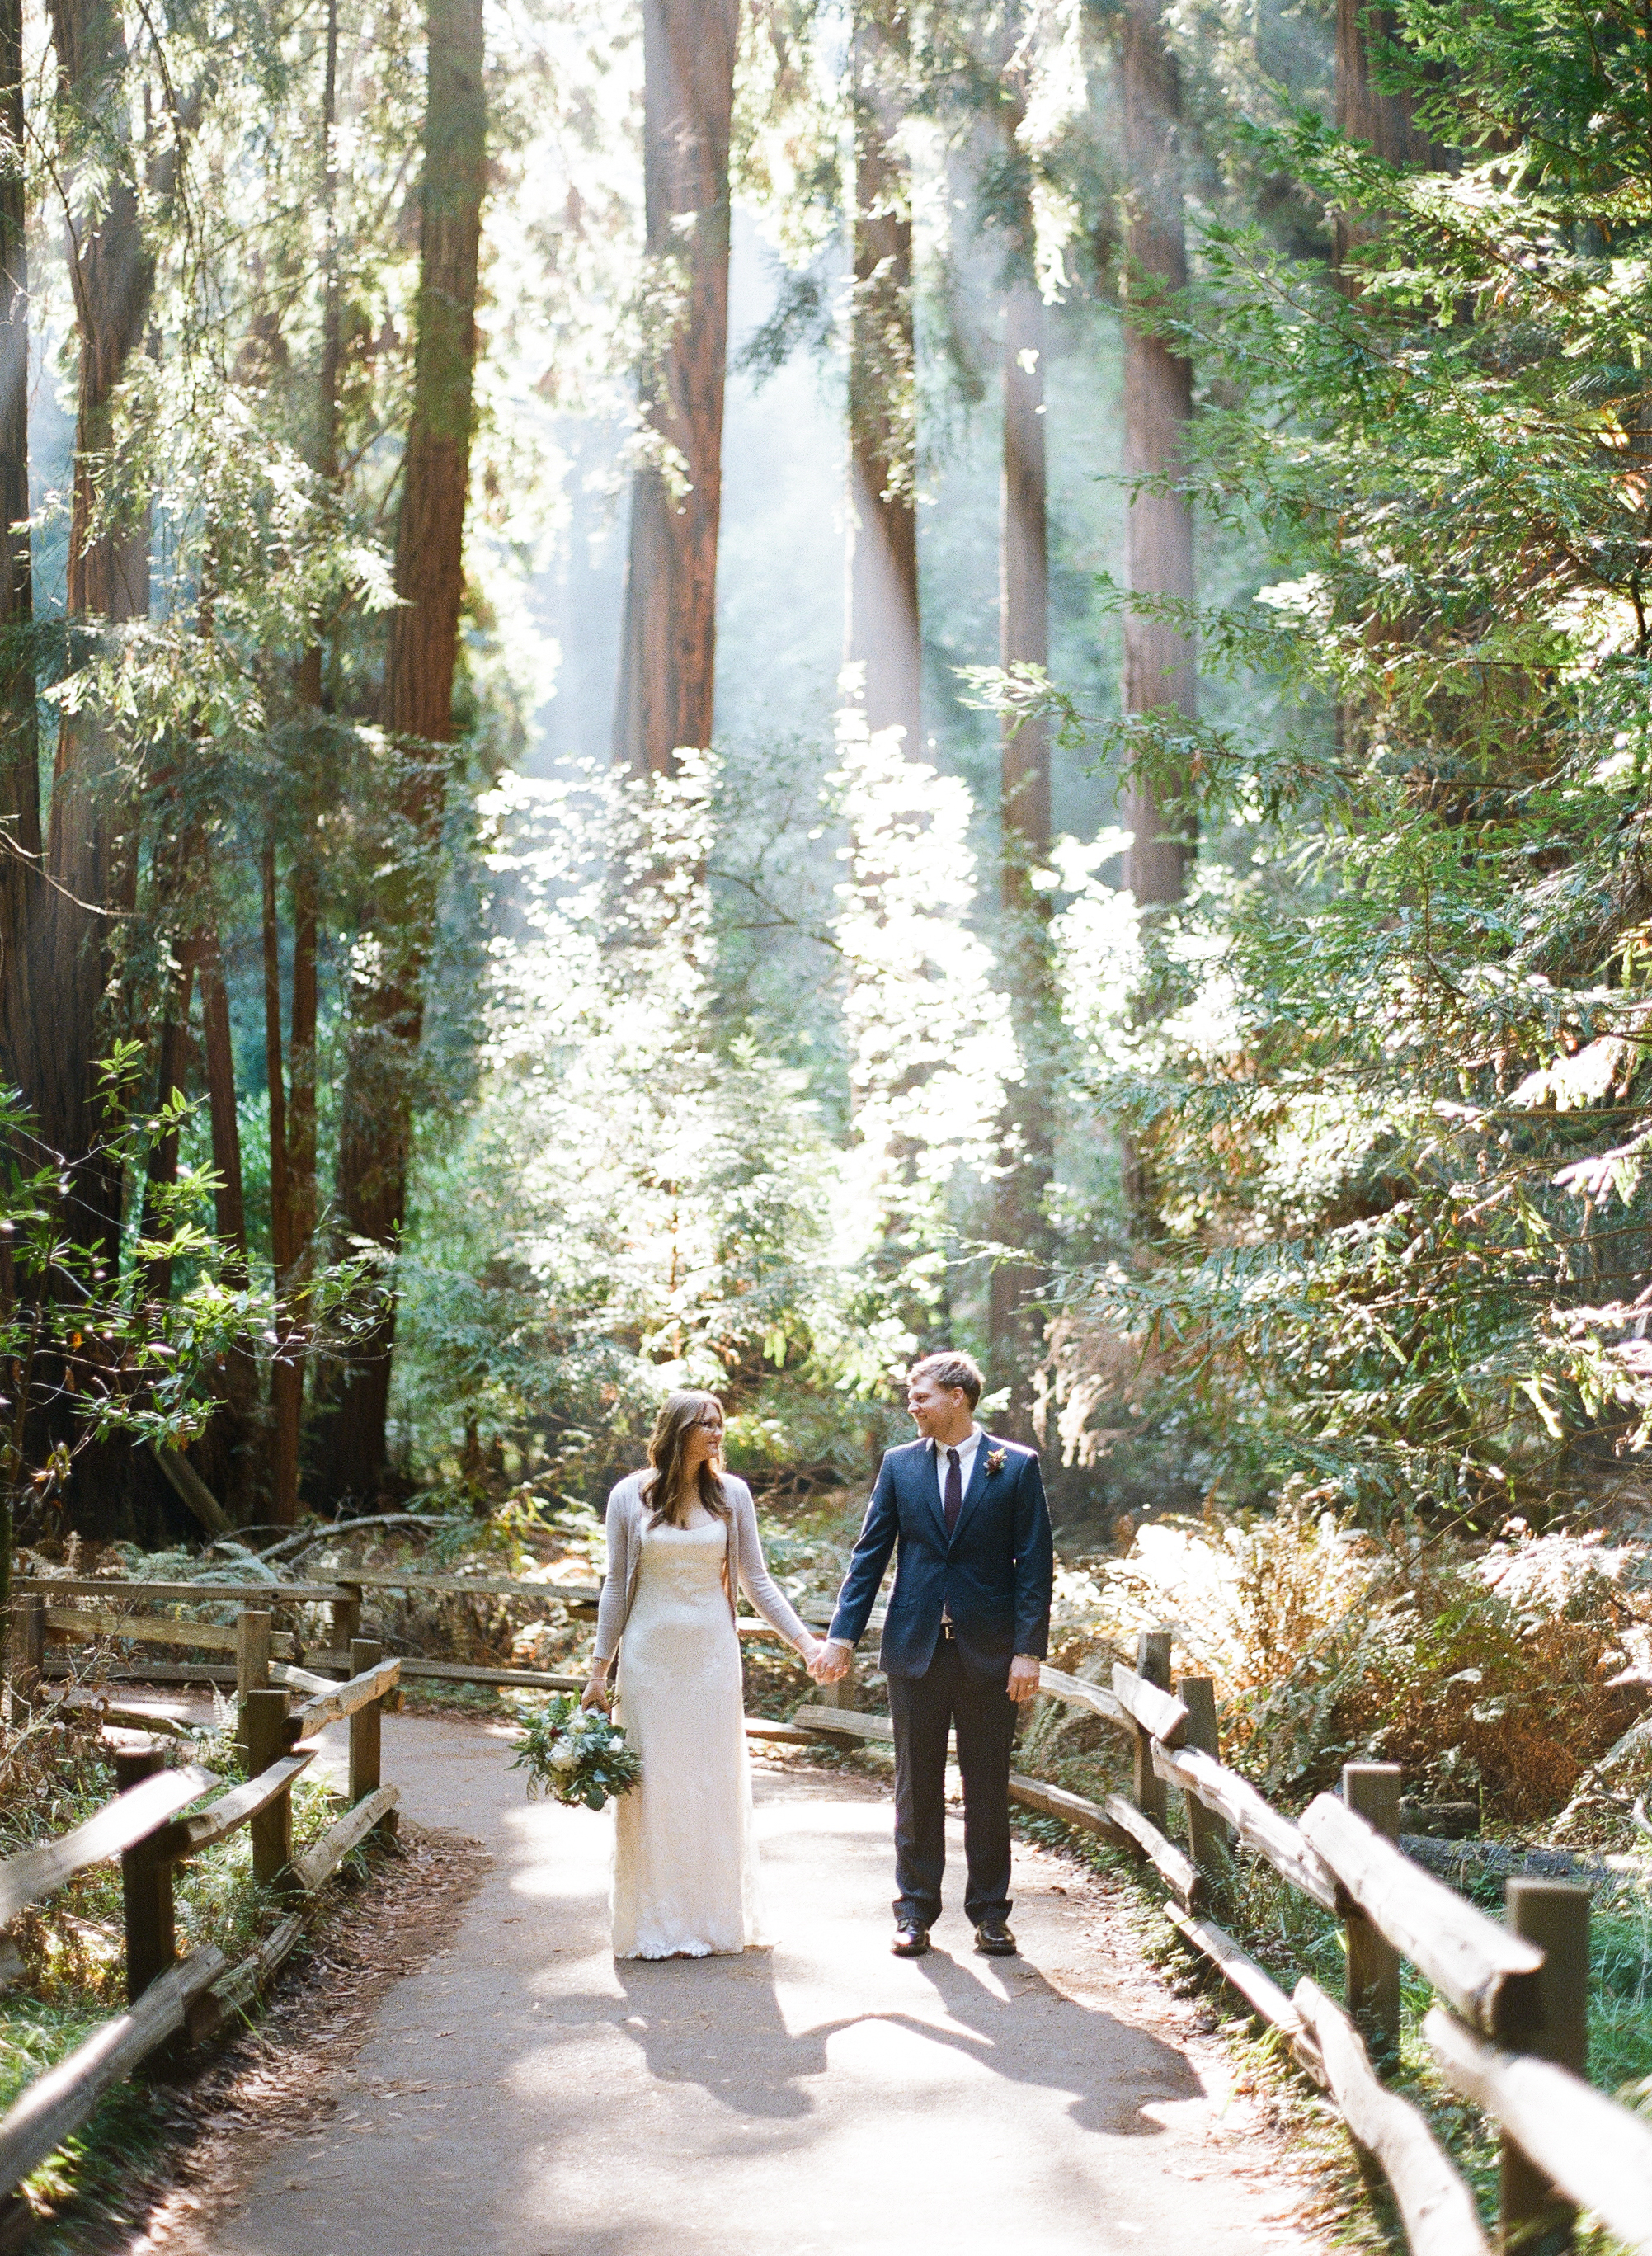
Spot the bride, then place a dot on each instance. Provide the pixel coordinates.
(681, 1536)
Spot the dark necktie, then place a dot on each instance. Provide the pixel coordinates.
(954, 1490)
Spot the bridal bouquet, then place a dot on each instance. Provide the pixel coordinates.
(576, 1755)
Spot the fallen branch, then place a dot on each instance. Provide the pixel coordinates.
(296, 1546)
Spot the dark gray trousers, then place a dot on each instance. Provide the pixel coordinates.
(922, 1708)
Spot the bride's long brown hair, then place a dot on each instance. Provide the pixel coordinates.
(678, 1416)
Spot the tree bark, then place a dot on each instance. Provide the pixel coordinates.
(292, 1164)
(292, 1153)
(883, 633)
(669, 637)
(1388, 122)
(19, 747)
(1023, 582)
(163, 1158)
(91, 856)
(388, 1002)
(229, 1197)
(1158, 404)
(1017, 1327)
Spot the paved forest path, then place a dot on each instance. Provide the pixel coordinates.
(524, 2095)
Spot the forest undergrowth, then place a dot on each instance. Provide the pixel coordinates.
(65, 1971)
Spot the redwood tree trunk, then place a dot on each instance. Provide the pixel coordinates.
(1158, 404)
(163, 1158)
(388, 1002)
(1023, 582)
(1017, 1326)
(1387, 121)
(229, 1198)
(91, 845)
(669, 639)
(19, 751)
(881, 630)
(292, 1099)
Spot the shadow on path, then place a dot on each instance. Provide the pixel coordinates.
(743, 2055)
(525, 2094)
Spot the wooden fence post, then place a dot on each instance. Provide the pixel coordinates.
(346, 1620)
(146, 1887)
(272, 1827)
(1373, 1791)
(1555, 1915)
(28, 1630)
(252, 1671)
(365, 1653)
(1153, 1662)
(1206, 1833)
(365, 1735)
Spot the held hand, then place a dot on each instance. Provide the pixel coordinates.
(831, 1663)
(1023, 1678)
(597, 1693)
(808, 1651)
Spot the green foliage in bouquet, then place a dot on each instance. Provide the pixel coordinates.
(576, 1755)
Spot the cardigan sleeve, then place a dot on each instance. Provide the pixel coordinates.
(619, 1524)
(757, 1582)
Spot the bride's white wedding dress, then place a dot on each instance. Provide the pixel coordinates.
(685, 1870)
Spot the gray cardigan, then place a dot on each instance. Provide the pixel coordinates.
(629, 1514)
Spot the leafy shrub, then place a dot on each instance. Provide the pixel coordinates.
(1492, 1674)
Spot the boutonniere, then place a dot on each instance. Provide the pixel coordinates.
(995, 1461)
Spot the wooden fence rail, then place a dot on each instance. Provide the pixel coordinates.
(142, 1826)
(1510, 2035)
(39, 1623)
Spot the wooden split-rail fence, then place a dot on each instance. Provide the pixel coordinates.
(1509, 2031)
(53, 1615)
(152, 1828)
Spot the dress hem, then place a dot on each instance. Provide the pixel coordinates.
(697, 1950)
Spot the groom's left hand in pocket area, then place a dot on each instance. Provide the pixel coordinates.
(1023, 1678)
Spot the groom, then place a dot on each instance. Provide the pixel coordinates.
(968, 1622)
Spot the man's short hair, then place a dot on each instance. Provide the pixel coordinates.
(949, 1369)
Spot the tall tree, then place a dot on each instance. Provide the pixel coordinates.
(387, 1004)
(292, 1090)
(882, 627)
(668, 644)
(1385, 119)
(91, 860)
(19, 750)
(1024, 621)
(1158, 404)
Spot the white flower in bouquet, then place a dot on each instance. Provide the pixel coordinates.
(566, 1756)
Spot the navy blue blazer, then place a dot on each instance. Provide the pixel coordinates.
(993, 1578)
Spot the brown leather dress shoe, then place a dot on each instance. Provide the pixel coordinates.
(994, 1939)
(911, 1941)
